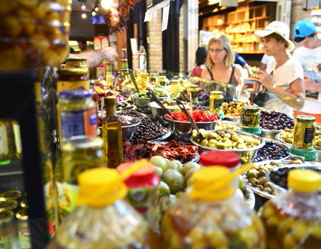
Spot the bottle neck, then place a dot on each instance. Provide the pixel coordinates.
(110, 110)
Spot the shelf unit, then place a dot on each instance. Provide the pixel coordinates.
(240, 25)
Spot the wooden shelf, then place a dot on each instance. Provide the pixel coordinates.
(247, 19)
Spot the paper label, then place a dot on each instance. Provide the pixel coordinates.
(77, 123)
(71, 195)
(70, 85)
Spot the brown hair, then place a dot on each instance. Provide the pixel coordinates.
(277, 37)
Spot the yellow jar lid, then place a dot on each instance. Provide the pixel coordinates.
(100, 187)
(304, 180)
(305, 118)
(212, 184)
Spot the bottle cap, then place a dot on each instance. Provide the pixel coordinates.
(100, 187)
(143, 177)
(227, 159)
(304, 180)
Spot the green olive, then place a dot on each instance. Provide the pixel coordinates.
(262, 180)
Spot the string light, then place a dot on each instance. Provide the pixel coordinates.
(96, 9)
(93, 13)
(106, 4)
(83, 7)
(83, 16)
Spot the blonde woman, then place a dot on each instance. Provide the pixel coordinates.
(220, 62)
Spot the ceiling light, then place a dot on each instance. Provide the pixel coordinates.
(83, 7)
(83, 16)
(96, 9)
(93, 13)
(106, 4)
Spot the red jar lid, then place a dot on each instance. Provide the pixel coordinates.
(145, 177)
(222, 158)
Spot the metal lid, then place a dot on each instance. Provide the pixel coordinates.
(11, 195)
(305, 118)
(74, 94)
(73, 71)
(82, 142)
(22, 214)
(8, 205)
(5, 216)
(251, 108)
(79, 59)
(216, 92)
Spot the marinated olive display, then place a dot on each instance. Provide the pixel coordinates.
(272, 120)
(287, 137)
(226, 126)
(233, 108)
(250, 116)
(271, 151)
(257, 177)
(33, 33)
(225, 140)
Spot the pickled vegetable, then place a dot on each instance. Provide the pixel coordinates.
(250, 116)
(304, 132)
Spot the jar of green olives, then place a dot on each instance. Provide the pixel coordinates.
(303, 134)
(216, 101)
(211, 215)
(293, 218)
(250, 116)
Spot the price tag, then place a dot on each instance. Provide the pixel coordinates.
(165, 16)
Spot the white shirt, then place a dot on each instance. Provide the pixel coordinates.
(284, 75)
(266, 58)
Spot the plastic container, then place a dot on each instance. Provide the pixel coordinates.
(102, 219)
(211, 215)
(33, 33)
(141, 188)
(293, 218)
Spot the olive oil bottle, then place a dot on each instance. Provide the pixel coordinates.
(112, 134)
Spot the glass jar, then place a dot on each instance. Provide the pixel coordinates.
(250, 116)
(23, 229)
(33, 33)
(303, 133)
(9, 205)
(80, 62)
(212, 215)
(141, 188)
(76, 114)
(72, 78)
(78, 154)
(12, 195)
(102, 219)
(162, 80)
(192, 92)
(10, 141)
(7, 230)
(216, 101)
(293, 218)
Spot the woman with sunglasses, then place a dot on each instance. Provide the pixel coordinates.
(220, 62)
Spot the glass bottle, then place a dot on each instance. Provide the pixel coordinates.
(142, 59)
(293, 218)
(211, 215)
(102, 219)
(79, 153)
(112, 134)
(109, 75)
(125, 74)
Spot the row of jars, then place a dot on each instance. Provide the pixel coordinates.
(208, 215)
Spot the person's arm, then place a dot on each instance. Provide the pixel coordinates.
(296, 86)
(238, 75)
(95, 57)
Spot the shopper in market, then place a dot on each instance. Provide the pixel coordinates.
(309, 54)
(220, 62)
(284, 74)
(201, 53)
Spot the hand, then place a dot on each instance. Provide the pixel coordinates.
(110, 54)
(308, 83)
(263, 77)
